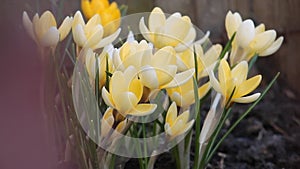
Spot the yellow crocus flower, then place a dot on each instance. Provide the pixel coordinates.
(235, 81)
(125, 93)
(159, 71)
(131, 54)
(109, 13)
(43, 30)
(176, 125)
(176, 30)
(91, 34)
(249, 40)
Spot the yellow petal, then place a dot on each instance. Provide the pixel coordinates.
(171, 114)
(203, 90)
(247, 99)
(65, 28)
(245, 33)
(108, 113)
(121, 126)
(248, 86)
(184, 117)
(116, 85)
(156, 19)
(87, 8)
(239, 72)
(142, 109)
(136, 87)
(165, 74)
(224, 76)
(50, 38)
(273, 48)
(186, 127)
(187, 41)
(125, 102)
(78, 19)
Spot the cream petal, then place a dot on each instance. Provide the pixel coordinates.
(78, 19)
(148, 77)
(203, 39)
(50, 38)
(245, 33)
(214, 82)
(28, 25)
(239, 72)
(90, 63)
(143, 109)
(171, 114)
(273, 48)
(96, 36)
(260, 29)
(46, 21)
(224, 75)
(65, 28)
(107, 98)
(178, 27)
(117, 61)
(263, 40)
(107, 40)
(94, 21)
(212, 55)
(180, 78)
(108, 113)
(248, 86)
(186, 127)
(176, 128)
(79, 35)
(232, 23)
(121, 126)
(164, 56)
(165, 74)
(106, 126)
(184, 117)
(247, 99)
(36, 30)
(156, 19)
(125, 102)
(188, 40)
(116, 85)
(145, 31)
(203, 90)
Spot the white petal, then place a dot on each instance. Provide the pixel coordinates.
(148, 77)
(247, 99)
(107, 40)
(28, 25)
(96, 37)
(273, 48)
(107, 98)
(79, 35)
(50, 38)
(145, 31)
(214, 82)
(156, 19)
(245, 33)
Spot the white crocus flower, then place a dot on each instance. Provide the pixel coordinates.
(249, 40)
(176, 30)
(43, 30)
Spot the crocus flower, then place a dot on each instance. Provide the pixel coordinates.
(90, 35)
(176, 31)
(249, 40)
(125, 92)
(43, 30)
(109, 13)
(205, 61)
(159, 71)
(131, 54)
(234, 82)
(176, 125)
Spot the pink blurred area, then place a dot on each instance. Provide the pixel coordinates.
(23, 135)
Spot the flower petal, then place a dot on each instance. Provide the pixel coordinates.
(232, 23)
(125, 102)
(107, 40)
(248, 86)
(263, 40)
(247, 99)
(79, 35)
(95, 38)
(148, 77)
(180, 78)
(164, 56)
(156, 19)
(245, 33)
(107, 98)
(28, 25)
(239, 72)
(273, 48)
(65, 28)
(171, 114)
(143, 109)
(50, 38)
(145, 31)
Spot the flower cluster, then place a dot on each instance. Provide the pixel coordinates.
(168, 60)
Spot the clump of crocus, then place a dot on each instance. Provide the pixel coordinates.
(109, 13)
(176, 30)
(249, 40)
(233, 84)
(44, 31)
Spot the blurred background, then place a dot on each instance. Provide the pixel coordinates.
(23, 137)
